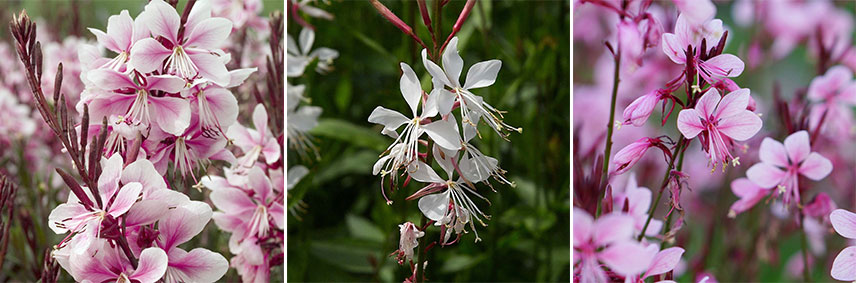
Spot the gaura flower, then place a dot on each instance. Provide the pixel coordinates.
(408, 240)
(781, 164)
(180, 225)
(255, 142)
(844, 265)
(835, 95)
(191, 55)
(186, 151)
(110, 265)
(481, 74)
(137, 102)
(122, 33)
(714, 69)
(608, 240)
(720, 120)
(749, 194)
(300, 57)
(638, 201)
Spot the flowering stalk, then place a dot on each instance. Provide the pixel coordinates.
(396, 21)
(460, 22)
(617, 57)
(678, 151)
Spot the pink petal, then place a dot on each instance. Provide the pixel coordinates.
(765, 175)
(689, 123)
(826, 86)
(277, 212)
(209, 33)
(740, 127)
(844, 223)
(260, 184)
(172, 114)
(640, 201)
(162, 20)
(69, 214)
(271, 151)
(665, 261)
(143, 172)
(107, 104)
(617, 257)
(591, 272)
(183, 223)
(673, 49)
(798, 147)
(167, 83)
(108, 182)
(612, 228)
(146, 212)
(120, 28)
(210, 67)
(749, 193)
(733, 103)
(724, 65)
(106, 40)
(147, 55)
(126, 197)
(583, 226)
(235, 223)
(815, 166)
(707, 103)
(231, 200)
(152, 264)
(773, 152)
(844, 265)
(260, 119)
(223, 104)
(199, 265)
(110, 80)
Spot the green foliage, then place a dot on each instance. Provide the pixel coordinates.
(348, 231)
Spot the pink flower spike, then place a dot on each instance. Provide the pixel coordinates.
(720, 120)
(780, 164)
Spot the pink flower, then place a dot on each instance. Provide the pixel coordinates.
(686, 34)
(835, 95)
(193, 55)
(407, 241)
(640, 109)
(844, 265)
(255, 142)
(720, 120)
(180, 225)
(662, 262)
(185, 151)
(137, 102)
(696, 11)
(820, 206)
(749, 194)
(781, 164)
(122, 33)
(109, 264)
(613, 232)
(625, 158)
(638, 201)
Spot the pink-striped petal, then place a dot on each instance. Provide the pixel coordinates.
(209, 33)
(172, 114)
(741, 126)
(612, 228)
(583, 226)
(618, 258)
(689, 123)
(147, 55)
(844, 265)
(844, 223)
(708, 102)
(733, 103)
(665, 261)
(798, 147)
(151, 267)
(126, 197)
(183, 223)
(198, 265)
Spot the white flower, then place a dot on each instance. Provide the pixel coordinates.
(481, 74)
(403, 151)
(409, 239)
(300, 57)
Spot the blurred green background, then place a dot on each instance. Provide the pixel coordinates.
(348, 232)
(38, 192)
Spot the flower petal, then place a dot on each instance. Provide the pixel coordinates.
(162, 20)
(390, 119)
(105, 39)
(612, 228)
(147, 55)
(844, 265)
(410, 87)
(198, 265)
(673, 49)
(773, 152)
(209, 33)
(172, 114)
(741, 126)
(443, 133)
(724, 65)
(230, 200)
(423, 173)
(617, 258)
(210, 67)
(434, 206)
(151, 267)
(146, 212)
(109, 79)
(583, 226)
(121, 28)
(183, 223)
(844, 223)
(733, 103)
(482, 74)
(68, 214)
(798, 146)
(453, 64)
(689, 123)
(126, 197)
(815, 166)
(306, 39)
(665, 261)
(435, 71)
(708, 102)
(167, 83)
(765, 175)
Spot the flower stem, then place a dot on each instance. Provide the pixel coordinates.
(806, 271)
(678, 149)
(609, 126)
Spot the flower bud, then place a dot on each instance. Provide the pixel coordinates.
(640, 109)
(630, 154)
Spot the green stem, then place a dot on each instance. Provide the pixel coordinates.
(609, 126)
(437, 29)
(665, 182)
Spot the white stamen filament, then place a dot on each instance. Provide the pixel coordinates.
(179, 64)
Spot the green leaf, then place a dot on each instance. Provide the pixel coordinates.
(362, 228)
(354, 163)
(349, 132)
(457, 263)
(349, 255)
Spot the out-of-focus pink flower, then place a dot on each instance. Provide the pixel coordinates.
(638, 201)
(820, 206)
(696, 11)
(191, 55)
(614, 233)
(749, 193)
(835, 95)
(781, 164)
(720, 120)
(844, 265)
